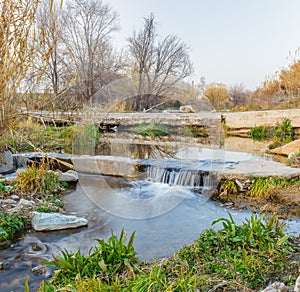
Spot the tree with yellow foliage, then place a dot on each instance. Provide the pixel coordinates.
(218, 95)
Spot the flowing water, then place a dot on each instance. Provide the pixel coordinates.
(168, 207)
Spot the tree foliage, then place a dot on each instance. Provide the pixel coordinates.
(218, 95)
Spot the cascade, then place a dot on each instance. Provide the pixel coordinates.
(180, 176)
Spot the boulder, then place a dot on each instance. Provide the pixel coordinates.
(55, 221)
(276, 287)
(292, 147)
(69, 176)
(9, 202)
(186, 109)
(8, 163)
(26, 203)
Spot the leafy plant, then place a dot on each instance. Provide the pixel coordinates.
(151, 129)
(104, 260)
(42, 180)
(10, 224)
(281, 134)
(259, 133)
(43, 209)
(246, 253)
(229, 186)
(264, 186)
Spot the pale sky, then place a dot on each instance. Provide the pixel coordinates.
(231, 41)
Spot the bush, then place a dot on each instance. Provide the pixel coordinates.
(104, 260)
(10, 224)
(281, 134)
(41, 180)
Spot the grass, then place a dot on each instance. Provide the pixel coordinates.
(151, 130)
(32, 136)
(11, 224)
(265, 187)
(38, 180)
(235, 258)
(281, 134)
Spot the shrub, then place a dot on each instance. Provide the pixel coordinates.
(104, 260)
(41, 180)
(281, 134)
(151, 129)
(10, 224)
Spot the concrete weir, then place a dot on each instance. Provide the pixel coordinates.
(127, 167)
(122, 166)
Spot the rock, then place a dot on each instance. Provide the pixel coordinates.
(240, 185)
(15, 197)
(293, 146)
(9, 179)
(297, 285)
(8, 164)
(45, 271)
(55, 221)
(186, 109)
(276, 287)
(9, 202)
(69, 176)
(27, 203)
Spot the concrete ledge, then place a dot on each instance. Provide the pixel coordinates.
(248, 169)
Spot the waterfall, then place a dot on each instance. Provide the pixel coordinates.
(180, 177)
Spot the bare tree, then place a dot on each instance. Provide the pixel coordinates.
(238, 95)
(159, 63)
(50, 24)
(88, 25)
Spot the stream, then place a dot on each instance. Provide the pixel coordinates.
(168, 207)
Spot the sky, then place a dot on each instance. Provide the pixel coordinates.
(230, 41)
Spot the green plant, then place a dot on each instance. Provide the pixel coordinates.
(265, 186)
(104, 260)
(43, 209)
(246, 253)
(151, 129)
(41, 180)
(10, 224)
(281, 134)
(229, 186)
(284, 131)
(235, 257)
(259, 133)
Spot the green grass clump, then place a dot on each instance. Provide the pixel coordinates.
(259, 133)
(281, 134)
(236, 257)
(265, 186)
(40, 180)
(11, 224)
(248, 254)
(151, 130)
(105, 260)
(34, 137)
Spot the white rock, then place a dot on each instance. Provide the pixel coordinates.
(55, 221)
(70, 175)
(9, 179)
(297, 285)
(26, 203)
(10, 201)
(276, 287)
(186, 109)
(15, 197)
